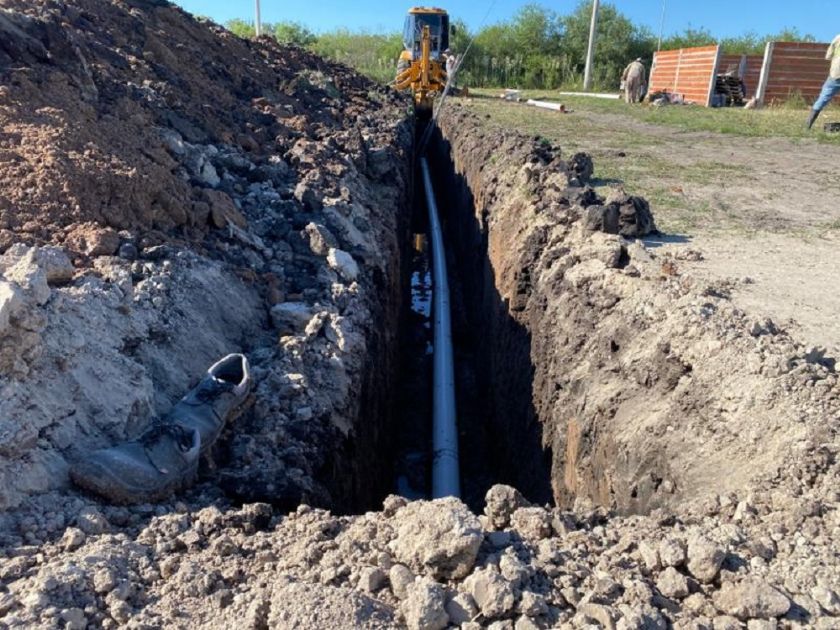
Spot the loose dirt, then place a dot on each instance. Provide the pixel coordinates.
(171, 193)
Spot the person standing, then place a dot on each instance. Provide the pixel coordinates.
(634, 78)
(451, 66)
(831, 87)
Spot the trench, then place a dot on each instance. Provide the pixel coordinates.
(499, 434)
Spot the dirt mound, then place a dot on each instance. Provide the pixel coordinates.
(90, 86)
(202, 194)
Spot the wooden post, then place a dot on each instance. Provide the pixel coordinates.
(258, 21)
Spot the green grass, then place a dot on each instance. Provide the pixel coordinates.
(782, 121)
(668, 155)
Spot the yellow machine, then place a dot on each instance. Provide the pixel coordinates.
(422, 66)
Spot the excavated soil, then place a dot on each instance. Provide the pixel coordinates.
(170, 193)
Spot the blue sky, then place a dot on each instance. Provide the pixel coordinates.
(724, 18)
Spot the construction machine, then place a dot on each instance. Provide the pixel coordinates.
(422, 65)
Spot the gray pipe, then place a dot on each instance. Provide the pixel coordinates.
(445, 474)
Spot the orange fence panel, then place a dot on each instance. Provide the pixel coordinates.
(793, 69)
(689, 72)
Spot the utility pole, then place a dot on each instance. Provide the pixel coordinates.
(661, 26)
(590, 52)
(258, 22)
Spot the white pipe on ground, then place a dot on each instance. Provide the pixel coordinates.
(445, 469)
(545, 105)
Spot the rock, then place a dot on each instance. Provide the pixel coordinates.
(650, 556)
(56, 264)
(401, 578)
(291, 317)
(28, 274)
(173, 141)
(320, 239)
(74, 619)
(672, 552)
(461, 609)
(704, 558)
(492, 593)
(605, 591)
(504, 624)
(73, 538)
(828, 599)
(440, 538)
(751, 598)
(762, 624)
(634, 218)
(222, 210)
(725, 622)
(604, 615)
(10, 302)
(532, 605)
(582, 166)
(525, 623)
(695, 602)
(104, 581)
(513, 569)
(533, 523)
(128, 251)
(424, 608)
(343, 263)
(371, 579)
(92, 522)
(93, 240)
(671, 583)
(500, 504)
(209, 175)
(309, 197)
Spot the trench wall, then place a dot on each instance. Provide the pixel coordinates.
(611, 379)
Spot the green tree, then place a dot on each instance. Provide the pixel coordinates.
(294, 33)
(619, 41)
(241, 28)
(372, 54)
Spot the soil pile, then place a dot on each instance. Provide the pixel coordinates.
(170, 193)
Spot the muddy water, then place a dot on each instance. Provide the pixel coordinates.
(413, 418)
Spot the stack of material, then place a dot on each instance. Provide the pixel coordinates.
(729, 91)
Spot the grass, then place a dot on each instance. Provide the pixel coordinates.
(674, 156)
(788, 122)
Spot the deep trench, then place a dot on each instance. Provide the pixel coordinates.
(500, 437)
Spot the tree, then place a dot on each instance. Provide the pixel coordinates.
(294, 33)
(241, 28)
(619, 42)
